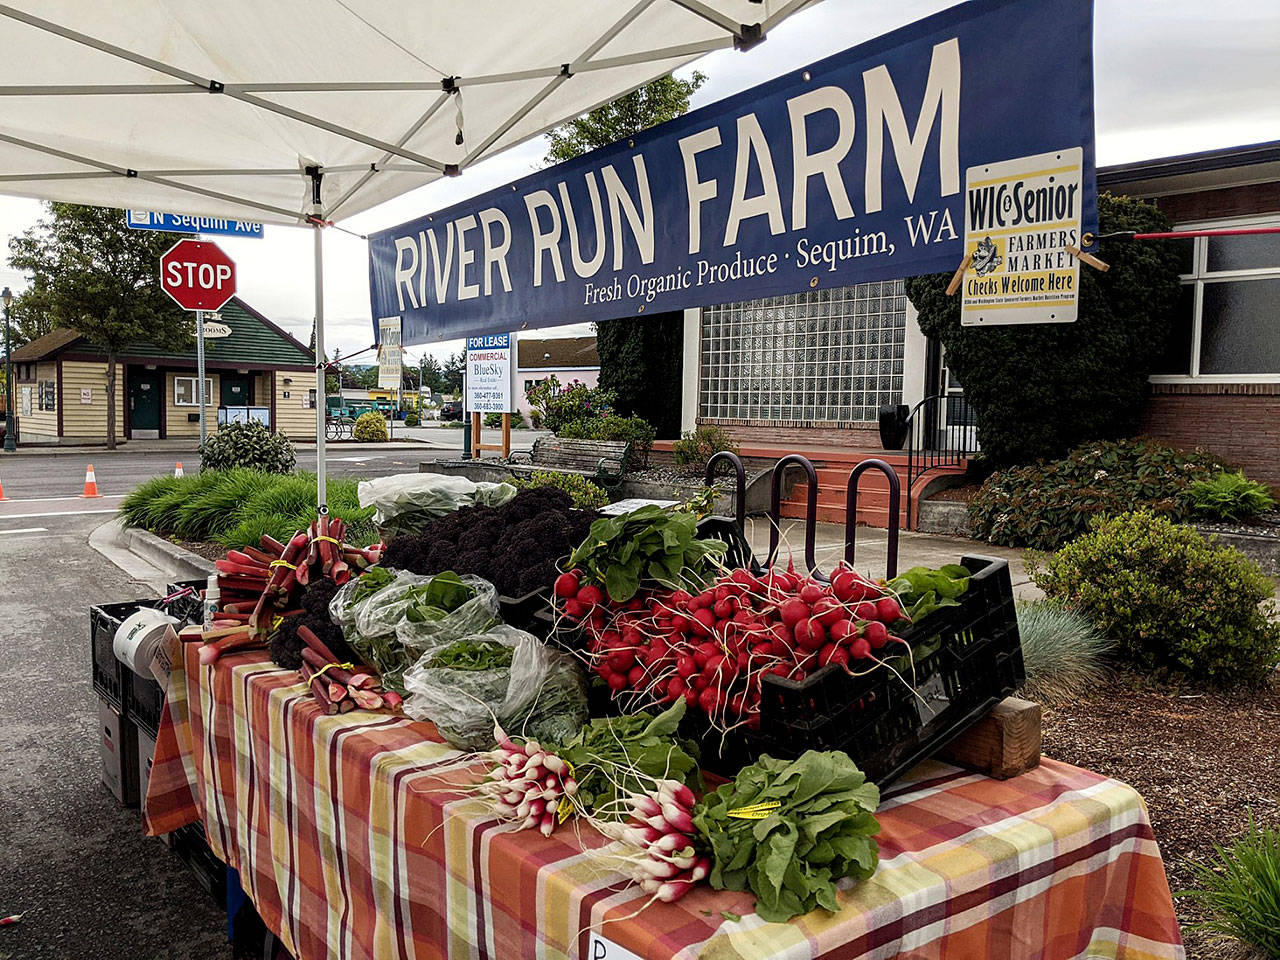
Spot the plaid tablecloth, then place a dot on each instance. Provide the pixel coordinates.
(351, 845)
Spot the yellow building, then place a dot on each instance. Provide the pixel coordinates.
(253, 370)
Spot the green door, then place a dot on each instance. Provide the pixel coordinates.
(236, 391)
(144, 402)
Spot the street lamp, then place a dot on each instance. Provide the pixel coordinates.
(10, 444)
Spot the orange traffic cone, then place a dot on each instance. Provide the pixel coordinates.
(177, 470)
(2, 496)
(90, 483)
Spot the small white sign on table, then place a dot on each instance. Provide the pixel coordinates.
(619, 507)
(601, 948)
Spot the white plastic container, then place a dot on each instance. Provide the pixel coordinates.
(139, 636)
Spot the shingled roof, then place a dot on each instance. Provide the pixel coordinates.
(46, 346)
(557, 354)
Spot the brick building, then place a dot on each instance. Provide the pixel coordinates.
(810, 371)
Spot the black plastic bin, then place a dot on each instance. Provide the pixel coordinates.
(966, 660)
(109, 673)
(190, 845)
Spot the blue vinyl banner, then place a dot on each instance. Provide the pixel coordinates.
(851, 170)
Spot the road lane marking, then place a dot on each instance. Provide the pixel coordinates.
(63, 513)
(26, 530)
(109, 496)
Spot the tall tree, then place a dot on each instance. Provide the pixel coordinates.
(453, 370)
(432, 374)
(93, 274)
(640, 358)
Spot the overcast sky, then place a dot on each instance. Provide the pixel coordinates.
(1171, 77)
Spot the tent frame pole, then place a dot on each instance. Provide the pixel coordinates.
(317, 226)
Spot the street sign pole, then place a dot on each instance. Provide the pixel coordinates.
(200, 374)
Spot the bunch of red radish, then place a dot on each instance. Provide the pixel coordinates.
(527, 784)
(715, 647)
(660, 836)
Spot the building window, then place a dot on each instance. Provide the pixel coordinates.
(184, 392)
(47, 394)
(831, 356)
(1224, 327)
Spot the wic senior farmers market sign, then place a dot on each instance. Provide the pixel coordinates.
(853, 169)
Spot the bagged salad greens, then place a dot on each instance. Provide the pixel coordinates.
(405, 502)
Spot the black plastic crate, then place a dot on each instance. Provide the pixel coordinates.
(523, 612)
(966, 660)
(109, 673)
(186, 604)
(190, 845)
(143, 701)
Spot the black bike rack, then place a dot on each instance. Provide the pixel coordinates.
(810, 513)
(851, 513)
(740, 500)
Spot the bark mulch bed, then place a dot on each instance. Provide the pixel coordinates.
(1200, 761)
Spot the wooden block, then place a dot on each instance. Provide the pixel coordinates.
(1003, 744)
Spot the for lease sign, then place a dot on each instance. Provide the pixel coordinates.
(1020, 217)
(491, 373)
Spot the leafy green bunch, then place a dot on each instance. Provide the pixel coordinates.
(647, 544)
(922, 590)
(437, 598)
(787, 830)
(615, 757)
(586, 495)
(472, 653)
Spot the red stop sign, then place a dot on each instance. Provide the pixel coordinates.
(198, 275)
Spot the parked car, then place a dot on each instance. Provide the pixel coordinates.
(451, 410)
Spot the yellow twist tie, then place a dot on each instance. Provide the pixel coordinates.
(321, 672)
(275, 624)
(284, 563)
(327, 540)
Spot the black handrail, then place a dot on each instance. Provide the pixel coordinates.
(810, 513)
(851, 513)
(740, 501)
(932, 441)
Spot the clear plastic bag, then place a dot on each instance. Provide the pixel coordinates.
(475, 616)
(463, 704)
(373, 625)
(405, 502)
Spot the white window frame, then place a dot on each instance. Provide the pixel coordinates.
(1199, 277)
(208, 392)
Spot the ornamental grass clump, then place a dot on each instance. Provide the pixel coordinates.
(1063, 651)
(1240, 890)
(1176, 605)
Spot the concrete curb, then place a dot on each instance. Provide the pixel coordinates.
(172, 559)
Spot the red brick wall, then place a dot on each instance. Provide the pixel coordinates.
(797, 434)
(1255, 198)
(1240, 422)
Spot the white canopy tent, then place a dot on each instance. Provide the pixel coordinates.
(303, 111)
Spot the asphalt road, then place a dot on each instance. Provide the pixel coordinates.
(90, 886)
(61, 475)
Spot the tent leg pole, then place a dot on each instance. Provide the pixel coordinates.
(321, 494)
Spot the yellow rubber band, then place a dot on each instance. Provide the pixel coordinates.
(284, 563)
(275, 624)
(328, 666)
(327, 540)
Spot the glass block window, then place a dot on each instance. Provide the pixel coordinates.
(827, 356)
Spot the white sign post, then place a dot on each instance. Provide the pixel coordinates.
(490, 386)
(1020, 217)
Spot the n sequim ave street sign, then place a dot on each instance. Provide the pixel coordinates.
(197, 275)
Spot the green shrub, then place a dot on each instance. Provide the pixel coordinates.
(1063, 651)
(1240, 890)
(292, 496)
(559, 405)
(1038, 390)
(535, 418)
(411, 419)
(586, 495)
(1047, 504)
(631, 429)
(495, 420)
(1174, 603)
(136, 507)
(1229, 497)
(216, 508)
(370, 428)
(249, 531)
(247, 445)
(696, 447)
